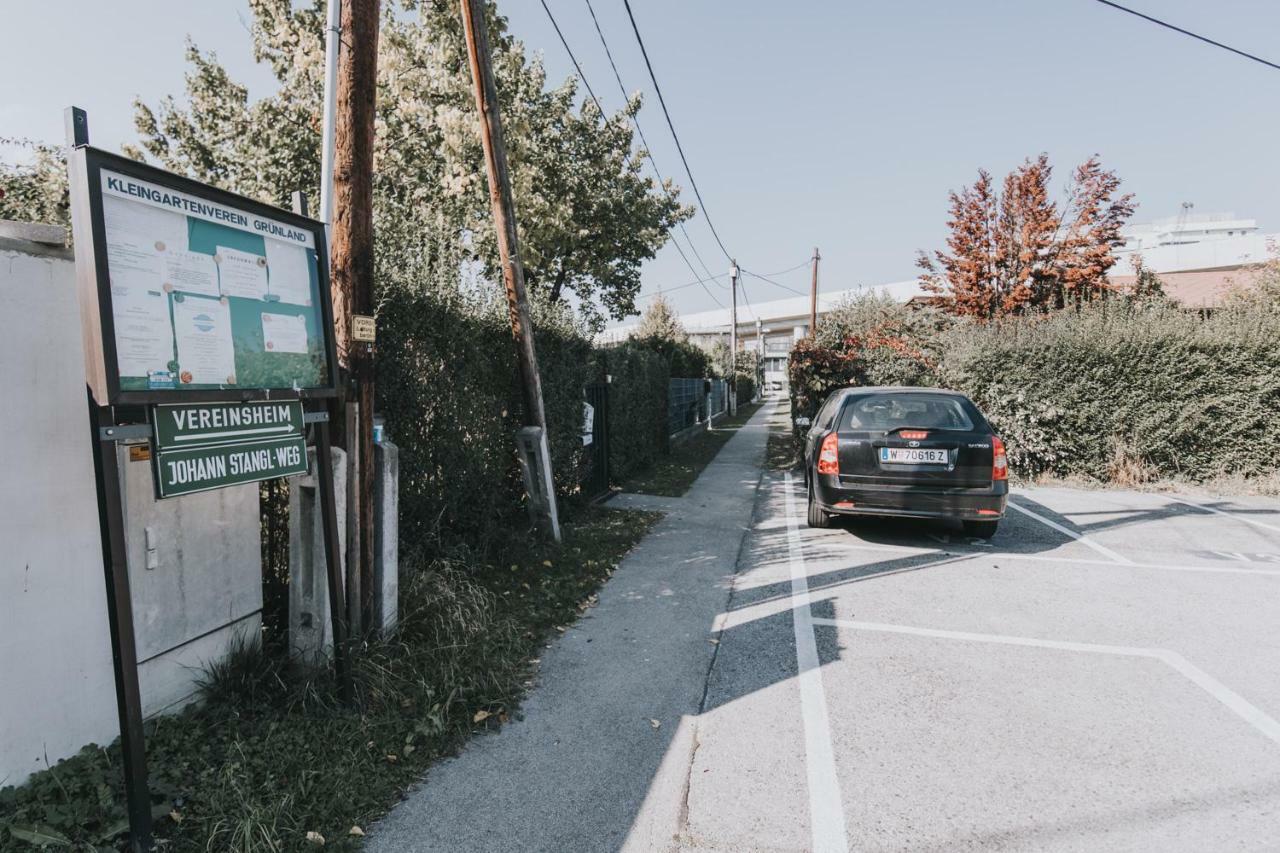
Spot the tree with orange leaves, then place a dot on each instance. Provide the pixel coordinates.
(1018, 250)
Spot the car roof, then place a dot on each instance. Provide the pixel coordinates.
(899, 389)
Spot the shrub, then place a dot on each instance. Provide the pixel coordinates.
(1121, 390)
(448, 386)
(1163, 389)
(637, 407)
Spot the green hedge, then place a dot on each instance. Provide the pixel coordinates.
(1149, 388)
(637, 407)
(1118, 390)
(447, 384)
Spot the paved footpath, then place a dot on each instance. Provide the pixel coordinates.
(601, 759)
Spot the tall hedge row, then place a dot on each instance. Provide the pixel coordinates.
(1131, 389)
(447, 386)
(637, 407)
(1147, 386)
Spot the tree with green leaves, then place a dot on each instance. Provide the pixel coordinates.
(588, 216)
(35, 191)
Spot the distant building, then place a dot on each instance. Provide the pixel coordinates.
(1197, 256)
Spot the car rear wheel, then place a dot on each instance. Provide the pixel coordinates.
(981, 529)
(817, 518)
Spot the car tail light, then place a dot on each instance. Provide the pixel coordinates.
(914, 434)
(999, 461)
(829, 455)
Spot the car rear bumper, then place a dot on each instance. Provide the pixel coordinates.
(981, 504)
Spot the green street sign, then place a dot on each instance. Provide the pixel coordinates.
(190, 424)
(203, 446)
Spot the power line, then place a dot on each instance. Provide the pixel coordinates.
(771, 281)
(648, 150)
(1167, 25)
(681, 287)
(803, 263)
(590, 91)
(573, 58)
(680, 148)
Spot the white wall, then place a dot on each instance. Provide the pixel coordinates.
(58, 691)
(201, 589)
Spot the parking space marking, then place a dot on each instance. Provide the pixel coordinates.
(1079, 537)
(1231, 515)
(1242, 707)
(911, 551)
(826, 811)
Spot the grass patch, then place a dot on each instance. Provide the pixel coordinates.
(673, 475)
(270, 757)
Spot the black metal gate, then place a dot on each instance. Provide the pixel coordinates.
(595, 481)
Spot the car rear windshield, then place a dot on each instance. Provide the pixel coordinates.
(890, 411)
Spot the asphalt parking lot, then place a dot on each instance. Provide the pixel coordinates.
(1102, 675)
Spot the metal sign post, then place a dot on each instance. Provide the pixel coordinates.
(212, 311)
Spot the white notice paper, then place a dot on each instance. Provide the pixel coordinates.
(190, 272)
(206, 355)
(144, 338)
(133, 265)
(241, 273)
(289, 270)
(161, 229)
(284, 333)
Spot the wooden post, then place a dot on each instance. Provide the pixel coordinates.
(352, 262)
(733, 339)
(504, 216)
(813, 295)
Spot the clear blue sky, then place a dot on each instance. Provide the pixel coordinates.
(838, 124)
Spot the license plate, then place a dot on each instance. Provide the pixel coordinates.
(913, 455)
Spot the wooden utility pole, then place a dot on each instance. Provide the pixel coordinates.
(535, 454)
(733, 339)
(504, 215)
(352, 265)
(813, 295)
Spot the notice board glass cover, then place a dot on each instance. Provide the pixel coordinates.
(203, 291)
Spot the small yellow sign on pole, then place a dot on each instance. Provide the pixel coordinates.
(363, 328)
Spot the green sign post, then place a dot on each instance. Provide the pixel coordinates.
(202, 446)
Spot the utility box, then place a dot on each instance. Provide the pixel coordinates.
(195, 579)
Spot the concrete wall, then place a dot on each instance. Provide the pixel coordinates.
(57, 691)
(198, 588)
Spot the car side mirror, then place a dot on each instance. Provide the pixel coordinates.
(803, 423)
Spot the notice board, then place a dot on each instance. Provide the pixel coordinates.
(200, 293)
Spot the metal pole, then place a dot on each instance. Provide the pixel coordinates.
(115, 557)
(733, 339)
(504, 216)
(332, 38)
(124, 650)
(813, 295)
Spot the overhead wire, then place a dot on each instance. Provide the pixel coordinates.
(648, 149)
(585, 82)
(1178, 29)
(671, 125)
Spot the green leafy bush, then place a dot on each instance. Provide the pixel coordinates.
(637, 407)
(1121, 390)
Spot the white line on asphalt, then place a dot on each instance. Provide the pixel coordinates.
(910, 551)
(1214, 509)
(826, 813)
(1079, 537)
(1242, 707)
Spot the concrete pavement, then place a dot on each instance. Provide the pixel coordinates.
(1103, 675)
(600, 760)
